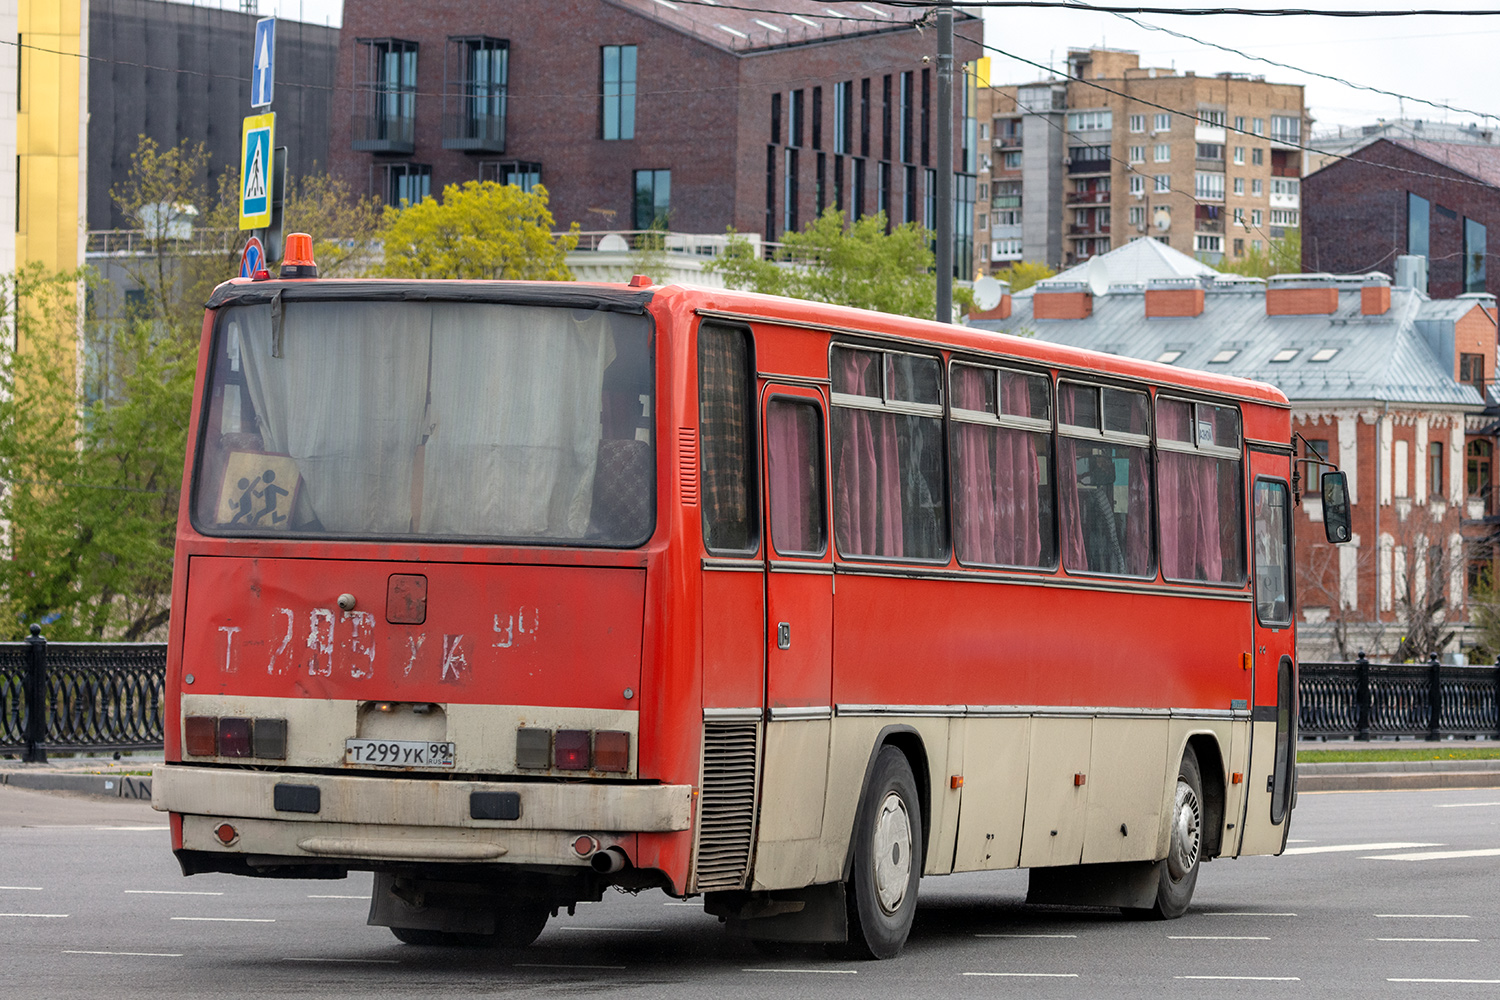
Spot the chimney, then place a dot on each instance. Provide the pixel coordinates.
(1167, 297)
(1375, 295)
(1411, 272)
(1062, 300)
(1001, 309)
(1301, 295)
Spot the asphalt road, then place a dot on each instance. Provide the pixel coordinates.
(1388, 894)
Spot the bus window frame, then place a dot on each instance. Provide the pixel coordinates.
(937, 410)
(816, 405)
(1142, 441)
(1288, 537)
(201, 429)
(997, 419)
(753, 443)
(1240, 455)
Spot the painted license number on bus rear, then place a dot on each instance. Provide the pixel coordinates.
(398, 753)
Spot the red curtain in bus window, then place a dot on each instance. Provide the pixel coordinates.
(996, 476)
(1188, 491)
(867, 470)
(792, 440)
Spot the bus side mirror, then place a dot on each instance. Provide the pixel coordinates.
(1336, 507)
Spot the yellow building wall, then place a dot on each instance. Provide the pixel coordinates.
(48, 130)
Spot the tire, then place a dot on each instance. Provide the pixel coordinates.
(887, 862)
(1178, 873)
(515, 927)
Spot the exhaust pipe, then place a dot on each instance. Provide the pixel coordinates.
(609, 861)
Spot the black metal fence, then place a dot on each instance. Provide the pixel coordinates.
(1365, 700)
(80, 696)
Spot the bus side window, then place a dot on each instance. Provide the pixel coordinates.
(794, 447)
(1103, 487)
(1273, 585)
(726, 434)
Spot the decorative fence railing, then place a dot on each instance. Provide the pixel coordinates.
(1365, 700)
(80, 696)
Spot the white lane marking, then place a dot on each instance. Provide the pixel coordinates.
(1028, 975)
(1488, 852)
(815, 972)
(1463, 805)
(614, 930)
(338, 897)
(1213, 937)
(1026, 935)
(131, 954)
(41, 916)
(1295, 841)
(679, 902)
(349, 961)
(1424, 916)
(1255, 979)
(1245, 913)
(561, 965)
(232, 920)
(1443, 980)
(79, 826)
(1342, 848)
(22, 888)
(1433, 940)
(168, 892)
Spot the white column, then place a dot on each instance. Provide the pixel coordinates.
(1456, 461)
(1349, 453)
(1349, 574)
(1419, 573)
(1421, 457)
(1456, 567)
(1401, 468)
(1383, 434)
(1383, 566)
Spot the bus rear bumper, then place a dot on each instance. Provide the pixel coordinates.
(348, 818)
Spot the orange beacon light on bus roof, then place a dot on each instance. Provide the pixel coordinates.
(298, 261)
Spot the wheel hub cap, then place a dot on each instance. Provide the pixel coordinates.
(1187, 830)
(892, 853)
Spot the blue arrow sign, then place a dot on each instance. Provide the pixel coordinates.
(263, 63)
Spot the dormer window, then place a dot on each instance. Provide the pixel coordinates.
(1285, 354)
(1167, 357)
(1324, 354)
(1225, 356)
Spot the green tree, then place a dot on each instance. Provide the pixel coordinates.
(861, 266)
(1284, 256)
(1024, 274)
(479, 230)
(90, 495)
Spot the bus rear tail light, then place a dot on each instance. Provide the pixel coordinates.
(534, 748)
(611, 751)
(570, 750)
(270, 739)
(234, 737)
(201, 734)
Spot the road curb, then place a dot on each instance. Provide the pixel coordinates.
(113, 786)
(1412, 780)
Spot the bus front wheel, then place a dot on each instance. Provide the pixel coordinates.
(882, 896)
(1178, 874)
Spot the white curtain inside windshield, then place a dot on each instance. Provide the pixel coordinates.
(448, 419)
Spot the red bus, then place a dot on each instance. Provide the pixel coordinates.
(512, 592)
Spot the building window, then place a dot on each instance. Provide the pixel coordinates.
(1137, 184)
(474, 96)
(1418, 214)
(1258, 188)
(1239, 156)
(1090, 121)
(843, 100)
(1239, 216)
(1210, 244)
(523, 175)
(906, 116)
(1288, 186)
(1435, 468)
(1163, 152)
(1137, 215)
(909, 199)
(1212, 118)
(1210, 151)
(864, 117)
(1137, 123)
(1088, 159)
(386, 94)
(1239, 248)
(617, 115)
(1285, 217)
(776, 118)
(1314, 449)
(1137, 154)
(838, 183)
(791, 220)
(1474, 252)
(1256, 245)
(817, 118)
(1257, 157)
(1208, 185)
(653, 198)
(1285, 128)
(407, 183)
(984, 192)
(1258, 126)
(929, 208)
(820, 192)
(1162, 123)
(1255, 221)
(1239, 123)
(794, 118)
(1479, 453)
(1010, 160)
(1163, 183)
(1471, 370)
(857, 207)
(1239, 186)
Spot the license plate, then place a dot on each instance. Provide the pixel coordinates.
(398, 753)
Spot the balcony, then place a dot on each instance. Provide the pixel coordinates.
(1075, 230)
(384, 133)
(1217, 166)
(1209, 226)
(1005, 201)
(1088, 197)
(1209, 133)
(472, 131)
(1285, 200)
(1007, 140)
(1089, 166)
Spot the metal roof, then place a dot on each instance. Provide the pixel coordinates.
(772, 24)
(1389, 358)
(1137, 262)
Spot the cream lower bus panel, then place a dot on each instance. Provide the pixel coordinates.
(1234, 794)
(793, 789)
(1056, 804)
(484, 736)
(1124, 817)
(1261, 835)
(996, 755)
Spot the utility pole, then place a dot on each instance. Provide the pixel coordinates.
(945, 163)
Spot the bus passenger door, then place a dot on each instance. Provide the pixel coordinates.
(799, 637)
(1273, 710)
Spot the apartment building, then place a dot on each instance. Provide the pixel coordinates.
(1209, 165)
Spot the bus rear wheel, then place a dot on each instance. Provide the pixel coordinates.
(1178, 874)
(882, 895)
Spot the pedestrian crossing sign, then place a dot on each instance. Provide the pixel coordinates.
(259, 138)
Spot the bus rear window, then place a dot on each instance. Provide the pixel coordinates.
(446, 419)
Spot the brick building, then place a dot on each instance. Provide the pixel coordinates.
(1437, 200)
(1209, 165)
(1383, 381)
(638, 112)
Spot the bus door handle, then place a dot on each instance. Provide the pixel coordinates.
(784, 635)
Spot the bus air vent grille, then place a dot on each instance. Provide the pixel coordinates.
(727, 810)
(687, 464)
